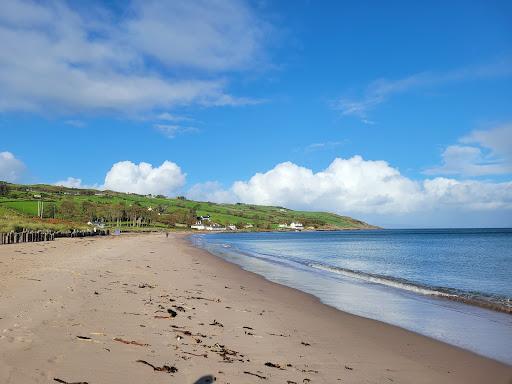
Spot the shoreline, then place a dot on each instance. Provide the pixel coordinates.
(110, 288)
(438, 292)
(442, 298)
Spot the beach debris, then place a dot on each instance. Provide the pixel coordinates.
(132, 342)
(290, 382)
(273, 365)
(349, 368)
(146, 285)
(179, 308)
(69, 382)
(215, 322)
(163, 368)
(306, 380)
(205, 355)
(84, 338)
(172, 312)
(280, 335)
(228, 355)
(255, 374)
(305, 344)
(252, 329)
(204, 298)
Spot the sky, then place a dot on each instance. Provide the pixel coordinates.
(396, 113)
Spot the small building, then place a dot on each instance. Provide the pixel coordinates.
(296, 226)
(199, 227)
(292, 225)
(232, 227)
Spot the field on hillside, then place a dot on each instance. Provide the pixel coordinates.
(75, 207)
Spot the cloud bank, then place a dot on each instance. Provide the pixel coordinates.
(66, 58)
(356, 186)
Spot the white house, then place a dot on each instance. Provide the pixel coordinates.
(199, 227)
(293, 225)
(215, 228)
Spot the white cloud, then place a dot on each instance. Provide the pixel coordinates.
(172, 130)
(11, 168)
(371, 189)
(353, 184)
(59, 59)
(380, 90)
(70, 182)
(489, 154)
(211, 35)
(73, 182)
(323, 146)
(211, 191)
(143, 178)
(498, 140)
(166, 116)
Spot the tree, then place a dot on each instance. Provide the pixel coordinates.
(4, 188)
(68, 210)
(89, 210)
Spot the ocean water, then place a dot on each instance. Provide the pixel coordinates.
(454, 285)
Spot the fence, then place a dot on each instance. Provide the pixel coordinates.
(33, 236)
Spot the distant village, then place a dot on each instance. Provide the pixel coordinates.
(204, 223)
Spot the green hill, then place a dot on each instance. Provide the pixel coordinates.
(53, 207)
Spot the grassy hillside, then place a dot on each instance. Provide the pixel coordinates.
(67, 208)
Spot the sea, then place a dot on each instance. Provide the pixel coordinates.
(454, 285)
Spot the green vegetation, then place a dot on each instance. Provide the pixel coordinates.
(69, 208)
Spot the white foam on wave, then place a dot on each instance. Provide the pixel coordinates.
(382, 281)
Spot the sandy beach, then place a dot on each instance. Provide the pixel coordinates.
(151, 309)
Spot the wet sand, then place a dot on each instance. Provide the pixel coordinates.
(146, 309)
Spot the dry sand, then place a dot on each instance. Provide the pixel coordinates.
(96, 311)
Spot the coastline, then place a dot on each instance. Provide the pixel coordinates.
(110, 288)
(493, 303)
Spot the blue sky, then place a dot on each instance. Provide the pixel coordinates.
(399, 113)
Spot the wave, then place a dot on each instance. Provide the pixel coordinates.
(493, 302)
(497, 303)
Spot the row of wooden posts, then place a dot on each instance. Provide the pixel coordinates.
(26, 236)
